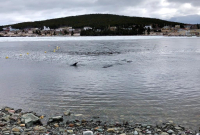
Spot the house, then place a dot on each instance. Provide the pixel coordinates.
(166, 29)
(10, 29)
(113, 28)
(87, 28)
(148, 26)
(46, 28)
(177, 26)
(187, 27)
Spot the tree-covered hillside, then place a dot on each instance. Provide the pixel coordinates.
(99, 21)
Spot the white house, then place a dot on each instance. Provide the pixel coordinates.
(46, 28)
(10, 29)
(87, 28)
(148, 26)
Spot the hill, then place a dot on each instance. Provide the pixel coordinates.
(94, 20)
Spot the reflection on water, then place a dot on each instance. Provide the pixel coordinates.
(149, 80)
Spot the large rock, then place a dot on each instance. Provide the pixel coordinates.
(30, 119)
(56, 119)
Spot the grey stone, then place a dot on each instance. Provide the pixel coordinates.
(170, 131)
(16, 133)
(88, 133)
(30, 119)
(178, 128)
(148, 132)
(135, 132)
(55, 119)
(164, 133)
(6, 118)
(67, 113)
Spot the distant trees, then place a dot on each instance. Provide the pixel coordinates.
(148, 31)
(38, 32)
(138, 30)
(98, 21)
(72, 33)
(66, 32)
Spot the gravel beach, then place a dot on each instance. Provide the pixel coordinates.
(16, 122)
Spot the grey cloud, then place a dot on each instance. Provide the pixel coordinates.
(192, 2)
(190, 19)
(32, 10)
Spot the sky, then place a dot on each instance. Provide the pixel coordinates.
(16, 11)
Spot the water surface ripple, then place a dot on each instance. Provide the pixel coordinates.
(142, 80)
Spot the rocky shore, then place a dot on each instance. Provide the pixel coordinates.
(17, 122)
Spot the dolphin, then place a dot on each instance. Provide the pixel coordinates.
(75, 64)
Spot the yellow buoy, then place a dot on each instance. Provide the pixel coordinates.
(54, 50)
(41, 117)
(27, 53)
(7, 57)
(20, 55)
(57, 47)
(45, 51)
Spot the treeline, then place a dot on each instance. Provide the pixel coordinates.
(138, 30)
(98, 21)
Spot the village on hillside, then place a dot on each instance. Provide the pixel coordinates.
(177, 30)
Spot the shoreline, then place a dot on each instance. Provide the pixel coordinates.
(15, 121)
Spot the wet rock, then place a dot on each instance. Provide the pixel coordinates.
(110, 130)
(16, 129)
(30, 119)
(137, 129)
(170, 131)
(22, 125)
(88, 133)
(178, 128)
(56, 125)
(70, 131)
(18, 110)
(2, 124)
(6, 118)
(135, 132)
(6, 109)
(16, 133)
(11, 111)
(55, 119)
(164, 133)
(67, 113)
(39, 128)
(71, 125)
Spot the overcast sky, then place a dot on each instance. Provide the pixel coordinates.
(15, 11)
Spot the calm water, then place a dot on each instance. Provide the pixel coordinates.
(145, 80)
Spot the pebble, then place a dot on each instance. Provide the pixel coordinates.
(110, 130)
(135, 133)
(16, 129)
(88, 133)
(70, 131)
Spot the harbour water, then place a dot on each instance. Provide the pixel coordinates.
(139, 79)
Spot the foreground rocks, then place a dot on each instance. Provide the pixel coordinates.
(16, 122)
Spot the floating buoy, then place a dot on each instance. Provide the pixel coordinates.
(7, 57)
(45, 52)
(20, 55)
(57, 47)
(41, 117)
(54, 50)
(27, 53)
